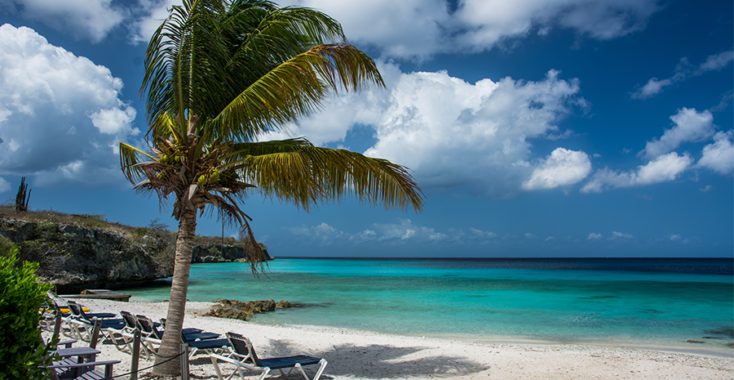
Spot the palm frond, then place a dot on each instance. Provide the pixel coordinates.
(130, 158)
(239, 151)
(167, 127)
(294, 89)
(309, 175)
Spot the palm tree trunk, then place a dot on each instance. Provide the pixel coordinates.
(171, 344)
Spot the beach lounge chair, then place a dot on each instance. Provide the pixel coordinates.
(78, 311)
(208, 346)
(245, 358)
(82, 329)
(149, 328)
(197, 341)
(81, 323)
(122, 336)
(189, 330)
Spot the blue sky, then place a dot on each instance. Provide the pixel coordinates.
(536, 128)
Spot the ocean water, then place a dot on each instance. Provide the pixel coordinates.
(643, 302)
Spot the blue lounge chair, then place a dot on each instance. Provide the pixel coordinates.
(197, 341)
(245, 358)
(209, 346)
(78, 311)
(149, 328)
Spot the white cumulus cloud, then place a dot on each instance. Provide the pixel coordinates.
(60, 115)
(420, 28)
(716, 62)
(482, 234)
(4, 185)
(489, 22)
(148, 16)
(451, 133)
(114, 121)
(393, 233)
(406, 230)
(616, 234)
(594, 236)
(719, 156)
(323, 232)
(683, 71)
(652, 87)
(662, 169)
(690, 126)
(562, 168)
(90, 19)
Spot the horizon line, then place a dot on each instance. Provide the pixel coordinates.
(491, 258)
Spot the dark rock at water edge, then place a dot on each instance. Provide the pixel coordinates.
(234, 309)
(214, 253)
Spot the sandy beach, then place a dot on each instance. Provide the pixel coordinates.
(364, 355)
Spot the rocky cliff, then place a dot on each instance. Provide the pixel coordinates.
(74, 257)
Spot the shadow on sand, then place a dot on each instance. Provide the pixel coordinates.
(370, 362)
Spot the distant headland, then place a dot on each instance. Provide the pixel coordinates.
(79, 251)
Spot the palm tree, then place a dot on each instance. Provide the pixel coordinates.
(219, 73)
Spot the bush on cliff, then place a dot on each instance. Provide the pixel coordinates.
(22, 351)
(6, 247)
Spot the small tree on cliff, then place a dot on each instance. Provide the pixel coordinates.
(218, 74)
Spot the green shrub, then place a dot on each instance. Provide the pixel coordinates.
(22, 351)
(6, 246)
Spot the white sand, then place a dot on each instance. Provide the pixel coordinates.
(362, 355)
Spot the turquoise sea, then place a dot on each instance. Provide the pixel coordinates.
(640, 302)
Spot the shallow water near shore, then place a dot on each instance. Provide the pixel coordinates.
(640, 302)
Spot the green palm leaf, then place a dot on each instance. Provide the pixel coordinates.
(296, 171)
(130, 157)
(294, 89)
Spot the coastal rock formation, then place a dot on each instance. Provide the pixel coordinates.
(74, 258)
(234, 309)
(215, 253)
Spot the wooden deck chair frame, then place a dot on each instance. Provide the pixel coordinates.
(248, 360)
(87, 375)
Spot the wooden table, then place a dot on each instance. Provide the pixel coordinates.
(67, 356)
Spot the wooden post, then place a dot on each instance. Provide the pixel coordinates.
(136, 355)
(57, 323)
(184, 361)
(95, 333)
